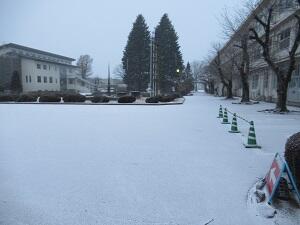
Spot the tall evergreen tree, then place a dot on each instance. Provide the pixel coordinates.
(136, 56)
(186, 84)
(169, 58)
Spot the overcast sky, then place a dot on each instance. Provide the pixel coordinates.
(100, 28)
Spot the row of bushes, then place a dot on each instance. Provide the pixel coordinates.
(66, 98)
(163, 98)
(55, 97)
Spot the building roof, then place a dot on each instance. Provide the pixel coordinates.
(21, 47)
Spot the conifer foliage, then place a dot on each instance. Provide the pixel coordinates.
(186, 84)
(169, 58)
(16, 83)
(136, 56)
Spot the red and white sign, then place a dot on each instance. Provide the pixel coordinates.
(274, 174)
(278, 169)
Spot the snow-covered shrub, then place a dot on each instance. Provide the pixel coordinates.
(292, 156)
(166, 98)
(27, 98)
(8, 98)
(100, 99)
(49, 98)
(176, 95)
(127, 99)
(74, 98)
(154, 99)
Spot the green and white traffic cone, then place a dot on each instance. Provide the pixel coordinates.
(251, 143)
(234, 127)
(225, 117)
(220, 112)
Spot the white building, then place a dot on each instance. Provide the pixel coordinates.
(42, 71)
(262, 80)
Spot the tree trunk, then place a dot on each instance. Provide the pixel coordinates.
(229, 90)
(245, 69)
(282, 88)
(245, 94)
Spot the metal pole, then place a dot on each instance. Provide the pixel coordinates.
(151, 66)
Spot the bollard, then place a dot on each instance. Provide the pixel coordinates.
(234, 127)
(220, 112)
(251, 142)
(225, 117)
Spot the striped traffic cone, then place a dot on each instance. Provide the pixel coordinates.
(220, 112)
(251, 143)
(234, 127)
(225, 117)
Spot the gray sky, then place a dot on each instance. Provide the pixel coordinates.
(100, 28)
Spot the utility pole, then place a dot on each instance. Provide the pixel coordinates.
(108, 81)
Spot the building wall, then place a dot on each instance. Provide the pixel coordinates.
(262, 80)
(39, 76)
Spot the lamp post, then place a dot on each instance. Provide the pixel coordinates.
(151, 83)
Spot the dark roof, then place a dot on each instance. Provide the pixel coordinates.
(35, 50)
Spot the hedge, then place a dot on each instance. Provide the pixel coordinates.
(166, 98)
(49, 98)
(100, 99)
(8, 98)
(74, 98)
(126, 99)
(27, 98)
(154, 99)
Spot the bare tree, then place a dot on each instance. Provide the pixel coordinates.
(283, 74)
(85, 66)
(231, 24)
(119, 71)
(224, 67)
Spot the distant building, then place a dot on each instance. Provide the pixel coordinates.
(40, 70)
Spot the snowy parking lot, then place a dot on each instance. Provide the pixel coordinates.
(123, 165)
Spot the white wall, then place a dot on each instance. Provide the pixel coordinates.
(29, 69)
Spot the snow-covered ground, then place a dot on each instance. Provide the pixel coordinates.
(135, 165)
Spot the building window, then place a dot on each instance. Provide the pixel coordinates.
(284, 39)
(295, 80)
(29, 78)
(56, 80)
(285, 4)
(256, 52)
(274, 81)
(255, 81)
(45, 79)
(45, 67)
(26, 79)
(39, 79)
(50, 80)
(266, 79)
(38, 66)
(71, 80)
